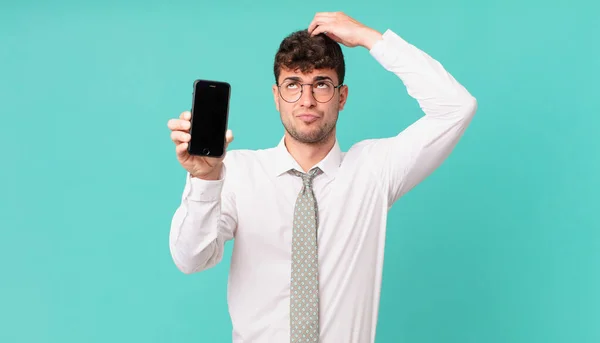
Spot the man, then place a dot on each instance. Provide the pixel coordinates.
(309, 220)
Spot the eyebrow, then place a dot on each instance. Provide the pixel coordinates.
(316, 78)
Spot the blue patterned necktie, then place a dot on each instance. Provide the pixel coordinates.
(304, 292)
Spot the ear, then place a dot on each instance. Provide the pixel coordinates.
(343, 96)
(276, 97)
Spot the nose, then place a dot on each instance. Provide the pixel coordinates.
(307, 99)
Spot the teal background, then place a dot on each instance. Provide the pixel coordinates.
(501, 244)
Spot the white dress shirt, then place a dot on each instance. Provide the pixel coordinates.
(253, 203)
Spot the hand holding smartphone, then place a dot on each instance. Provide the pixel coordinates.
(201, 136)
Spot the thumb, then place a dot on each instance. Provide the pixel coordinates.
(228, 137)
(334, 37)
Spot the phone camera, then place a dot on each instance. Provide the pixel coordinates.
(205, 151)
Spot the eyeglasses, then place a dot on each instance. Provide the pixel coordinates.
(322, 90)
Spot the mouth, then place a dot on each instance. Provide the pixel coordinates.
(308, 117)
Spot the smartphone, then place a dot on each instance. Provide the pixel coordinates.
(210, 114)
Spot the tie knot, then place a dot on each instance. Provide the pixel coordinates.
(307, 178)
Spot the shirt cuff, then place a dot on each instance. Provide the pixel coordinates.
(388, 50)
(205, 190)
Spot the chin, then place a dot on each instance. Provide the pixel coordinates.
(311, 136)
(309, 133)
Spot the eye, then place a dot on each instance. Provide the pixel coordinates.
(322, 85)
(291, 85)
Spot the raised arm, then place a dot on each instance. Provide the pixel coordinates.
(403, 161)
(206, 217)
(204, 221)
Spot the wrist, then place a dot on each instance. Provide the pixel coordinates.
(213, 175)
(370, 37)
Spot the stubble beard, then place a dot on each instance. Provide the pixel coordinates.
(315, 136)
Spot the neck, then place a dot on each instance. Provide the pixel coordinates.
(308, 155)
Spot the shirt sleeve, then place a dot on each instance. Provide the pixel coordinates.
(204, 221)
(403, 161)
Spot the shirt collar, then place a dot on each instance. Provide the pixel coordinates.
(284, 161)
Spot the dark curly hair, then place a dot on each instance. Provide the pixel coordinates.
(300, 51)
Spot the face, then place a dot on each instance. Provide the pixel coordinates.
(307, 120)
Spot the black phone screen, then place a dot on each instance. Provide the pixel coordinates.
(210, 108)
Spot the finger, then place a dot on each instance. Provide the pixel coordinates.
(185, 115)
(181, 149)
(180, 137)
(313, 25)
(326, 14)
(319, 21)
(179, 124)
(321, 29)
